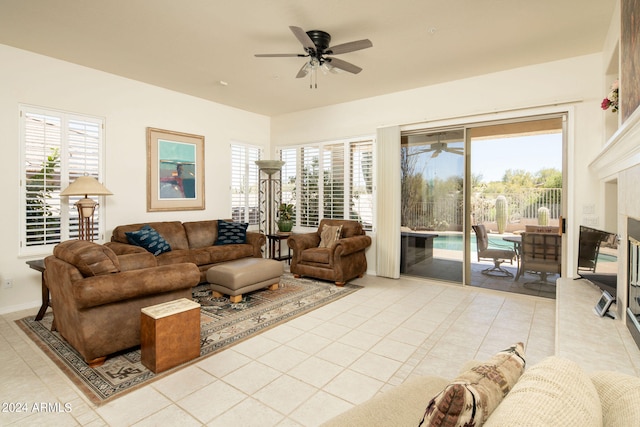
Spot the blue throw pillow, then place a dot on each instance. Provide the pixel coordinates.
(230, 233)
(149, 239)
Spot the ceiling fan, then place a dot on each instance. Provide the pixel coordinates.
(316, 48)
(438, 147)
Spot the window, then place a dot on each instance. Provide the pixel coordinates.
(56, 148)
(332, 180)
(361, 183)
(244, 183)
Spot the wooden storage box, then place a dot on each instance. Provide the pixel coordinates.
(170, 334)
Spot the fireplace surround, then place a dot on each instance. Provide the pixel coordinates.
(633, 279)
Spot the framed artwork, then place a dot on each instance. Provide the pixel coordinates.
(630, 54)
(175, 171)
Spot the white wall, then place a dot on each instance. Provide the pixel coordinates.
(574, 83)
(128, 108)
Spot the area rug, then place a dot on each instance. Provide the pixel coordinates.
(223, 324)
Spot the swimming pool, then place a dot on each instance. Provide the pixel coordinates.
(453, 242)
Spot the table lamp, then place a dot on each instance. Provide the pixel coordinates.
(84, 186)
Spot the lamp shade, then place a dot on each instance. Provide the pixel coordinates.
(85, 185)
(270, 166)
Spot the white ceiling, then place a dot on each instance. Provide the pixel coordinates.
(190, 46)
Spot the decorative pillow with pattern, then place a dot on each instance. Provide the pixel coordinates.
(329, 235)
(230, 233)
(474, 394)
(147, 237)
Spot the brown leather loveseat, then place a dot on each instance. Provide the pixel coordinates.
(97, 296)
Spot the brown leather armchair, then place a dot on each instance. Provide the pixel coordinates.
(97, 296)
(342, 260)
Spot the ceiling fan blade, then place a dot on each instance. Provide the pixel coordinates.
(349, 47)
(344, 65)
(303, 71)
(278, 55)
(303, 37)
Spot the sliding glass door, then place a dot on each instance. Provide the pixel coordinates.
(432, 209)
(499, 176)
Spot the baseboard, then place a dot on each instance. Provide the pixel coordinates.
(19, 307)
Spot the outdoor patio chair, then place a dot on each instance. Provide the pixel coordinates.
(497, 253)
(542, 254)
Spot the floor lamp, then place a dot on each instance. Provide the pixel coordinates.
(269, 194)
(85, 186)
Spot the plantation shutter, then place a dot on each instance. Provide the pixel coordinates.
(333, 183)
(361, 183)
(309, 197)
(244, 183)
(288, 177)
(56, 148)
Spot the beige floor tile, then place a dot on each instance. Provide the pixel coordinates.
(360, 339)
(319, 408)
(283, 358)
(309, 343)
(353, 387)
(170, 416)
(340, 354)
(408, 336)
(349, 319)
(315, 371)
(376, 366)
(256, 346)
(183, 382)
(128, 409)
(248, 413)
(251, 377)
(393, 349)
(211, 401)
(222, 363)
(330, 330)
(283, 333)
(285, 393)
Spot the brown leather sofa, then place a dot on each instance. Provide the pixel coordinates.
(343, 260)
(190, 242)
(97, 296)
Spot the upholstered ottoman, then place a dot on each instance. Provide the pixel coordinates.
(235, 278)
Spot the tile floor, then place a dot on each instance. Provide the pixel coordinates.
(300, 373)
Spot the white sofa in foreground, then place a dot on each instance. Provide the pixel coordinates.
(554, 392)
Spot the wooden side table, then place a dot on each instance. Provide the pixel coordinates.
(275, 246)
(169, 334)
(38, 265)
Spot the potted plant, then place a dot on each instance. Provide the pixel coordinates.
(285, 215)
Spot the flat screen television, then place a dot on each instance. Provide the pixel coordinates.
(598, 258)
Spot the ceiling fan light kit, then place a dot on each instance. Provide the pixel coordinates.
(316, 44)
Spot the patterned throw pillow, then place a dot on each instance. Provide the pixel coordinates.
(149, 239)
(230, 233)
(474, 394)
(329, 235)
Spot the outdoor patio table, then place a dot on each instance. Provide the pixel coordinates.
(517, 248)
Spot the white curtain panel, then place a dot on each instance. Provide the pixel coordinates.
(388, 202)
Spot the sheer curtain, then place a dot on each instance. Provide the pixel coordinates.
(388, 202)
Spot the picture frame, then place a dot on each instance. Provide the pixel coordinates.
(630, 58)
(603, 305)
(175, 171)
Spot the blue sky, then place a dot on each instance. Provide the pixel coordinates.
(492, 157)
